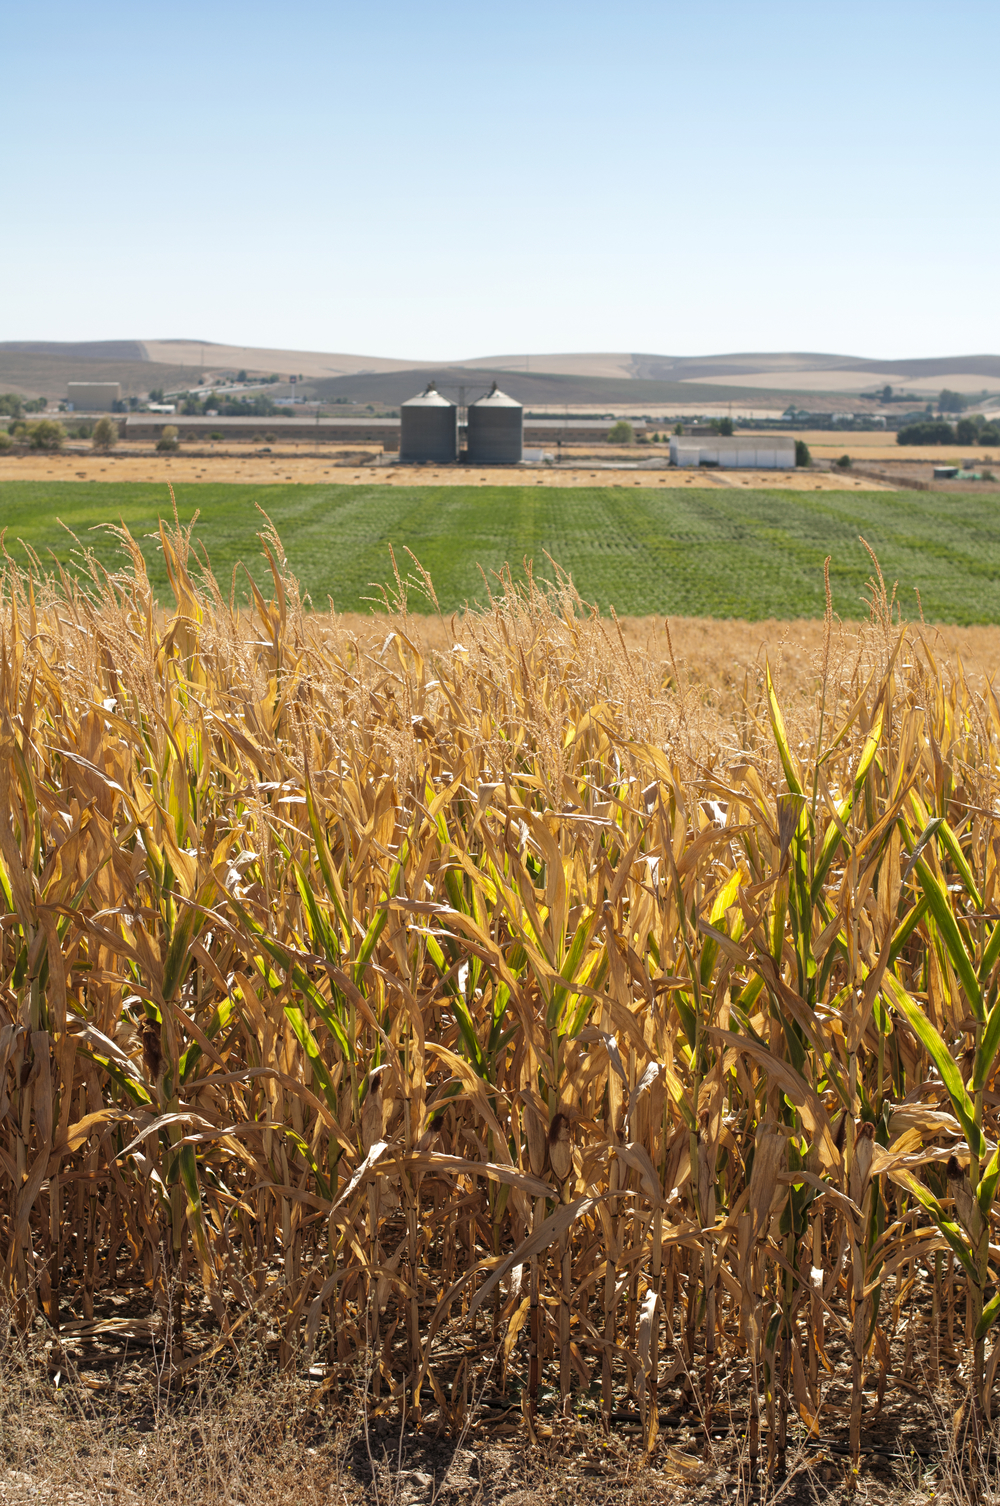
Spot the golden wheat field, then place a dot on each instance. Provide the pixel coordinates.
(508, 1005)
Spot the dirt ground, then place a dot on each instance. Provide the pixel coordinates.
(229, 463)
(93, 1416)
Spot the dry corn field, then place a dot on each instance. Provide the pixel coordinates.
(507, 1017)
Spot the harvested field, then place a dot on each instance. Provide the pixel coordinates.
(302, 466)
(418, 1057)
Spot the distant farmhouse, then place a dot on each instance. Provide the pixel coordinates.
(94, 397)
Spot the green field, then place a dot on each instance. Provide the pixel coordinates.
(708, 552)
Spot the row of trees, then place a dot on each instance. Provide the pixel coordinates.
(49, 434)
(257, 406)
(973, 430)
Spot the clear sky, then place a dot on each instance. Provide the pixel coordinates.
(446, 180)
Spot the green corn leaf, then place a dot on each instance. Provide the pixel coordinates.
(986, 1054)
(326, 866)
(942, 1059)
(937, 900)
(571, 965)
(321, 934)
(951, 842)
(947, 1227)
(380, 917)
(188, 1167)
(725, 898)
(907, 927)
(828, 849)
(687, 1017)
(986, 1190)
(989, 1317)
(780, 735)
(990, 954)
(299, 976)
(310, 1046)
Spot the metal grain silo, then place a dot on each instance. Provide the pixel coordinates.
(496, 430)
(428, 428)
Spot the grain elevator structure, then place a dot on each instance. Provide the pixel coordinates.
(495, 432)
(428, 428)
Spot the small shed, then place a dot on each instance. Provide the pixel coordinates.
(751, 452)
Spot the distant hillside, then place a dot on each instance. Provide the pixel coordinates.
(46, 375)
(769, 379)
(542, 389)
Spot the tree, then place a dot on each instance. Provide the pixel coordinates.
(6, 443)
(950, 402)
(726, 427)
(989, 434)
(678, 428)
(887, 393)
(802, 455)
(931, 431)
(241, 376)
(11, 404)
(168, 440)
(844, 463)
(105, 433)
(966, 431)
(47, 434)
(621, 433)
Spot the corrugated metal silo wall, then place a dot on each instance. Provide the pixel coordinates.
(428, 433)
(496, 435)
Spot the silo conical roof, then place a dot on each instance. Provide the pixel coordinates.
(429, 398)
(495, 399)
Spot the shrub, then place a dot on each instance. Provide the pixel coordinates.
(802, 455)
(844, 463)
(931, 431)
(169, 439)
(105, 433)
(6, 443)
(621, 433)
(215, 434)
(47, 434)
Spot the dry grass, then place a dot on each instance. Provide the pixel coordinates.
(515, 1020)
(287, 463)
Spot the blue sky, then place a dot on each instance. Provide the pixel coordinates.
(450, 180)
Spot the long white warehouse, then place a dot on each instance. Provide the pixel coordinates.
(768, 452)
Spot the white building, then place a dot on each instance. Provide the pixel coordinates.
(94, 397)
(753, 452)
